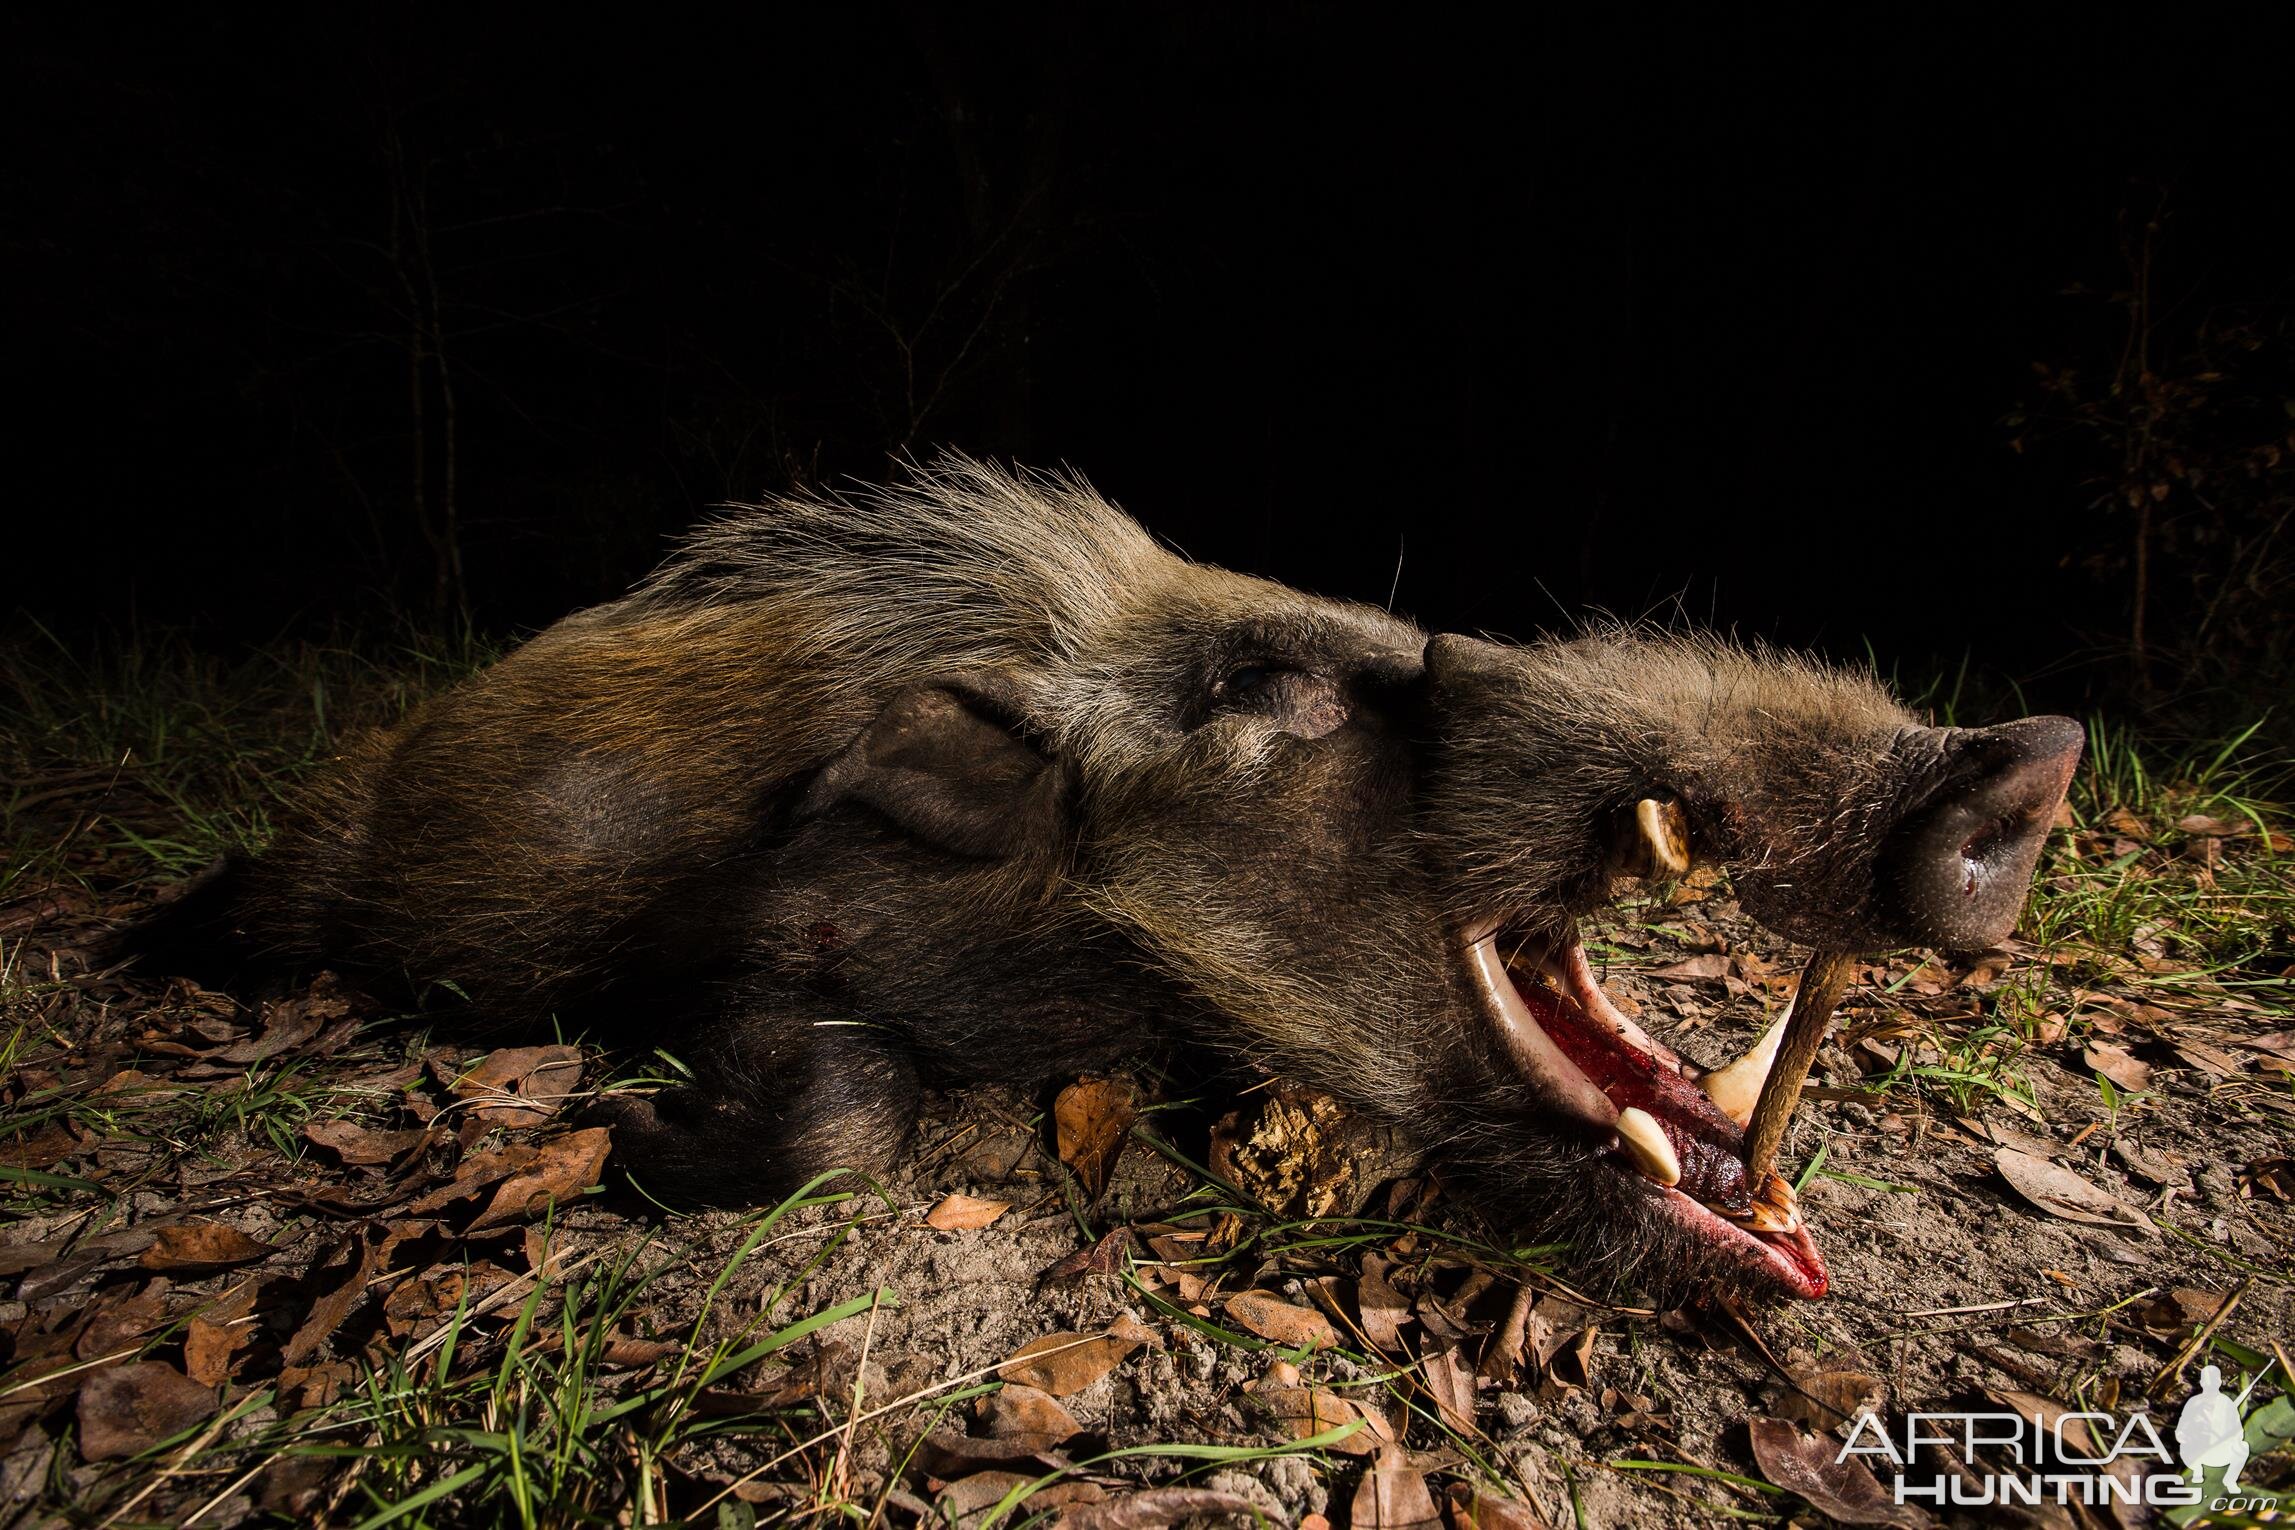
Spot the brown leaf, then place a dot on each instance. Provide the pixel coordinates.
(1449, 1381)
(1393, 1496)
(1804, 1464)
(1471, 1508)
(968, 1497)
(2218, 828)
(1272, 1318)
(520, 1086)
(127, 1409)
(1711, 965)
(334, 1304)
(2179, 1310)
(2159, 1168)
(201, 1247)
(1023, 1413)
(1155, 1509)
(415, 1306)
(2119, 1065)
(1061, 1363)
(207, 1350)
(562, 1169)
(1090, 1119)
(1822, 1396)
(1302, 1412)
(474, 1174)
(2210, 1060)
(1383, 1309)
(357, 1145)
(1106, 1257)
(1557, 1326)
(948, 1453)
(962, 1213)
(294, 1485)
(2062, 1193)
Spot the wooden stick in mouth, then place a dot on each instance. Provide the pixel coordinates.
(1823, 982)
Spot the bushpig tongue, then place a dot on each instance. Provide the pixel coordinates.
(1701, 1151)
(1823, 982)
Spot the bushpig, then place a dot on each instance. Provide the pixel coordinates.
(969, 779)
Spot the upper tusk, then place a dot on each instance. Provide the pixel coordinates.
(1735, 1088)
(1665, 833)
(1646, 1144)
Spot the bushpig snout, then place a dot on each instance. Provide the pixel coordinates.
(1954, 873)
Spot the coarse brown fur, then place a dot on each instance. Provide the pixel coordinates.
(967, 778)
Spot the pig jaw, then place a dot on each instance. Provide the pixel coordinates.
(1653, 1135)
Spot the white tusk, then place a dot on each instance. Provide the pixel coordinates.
(1646, 1144)
(1735, 1088)
(1665, 832)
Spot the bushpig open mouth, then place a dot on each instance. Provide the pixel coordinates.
(1677, 1132)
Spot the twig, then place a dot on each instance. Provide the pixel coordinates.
(2021, 1301)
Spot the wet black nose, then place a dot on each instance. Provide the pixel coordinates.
(1954, 873)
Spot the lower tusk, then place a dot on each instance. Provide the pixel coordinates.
(1823, 981)
(1736, 1087)
(1775, 1208)
(1646, 1144)
(1665, 834)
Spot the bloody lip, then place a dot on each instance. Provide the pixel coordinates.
(1585, 1056)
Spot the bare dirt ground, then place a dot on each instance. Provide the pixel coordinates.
(306, 1258)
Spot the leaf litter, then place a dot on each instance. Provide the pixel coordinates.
(311, 1207)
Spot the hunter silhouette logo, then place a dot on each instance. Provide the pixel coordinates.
(2210, 1433)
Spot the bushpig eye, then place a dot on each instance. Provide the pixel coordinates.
(1247, 681)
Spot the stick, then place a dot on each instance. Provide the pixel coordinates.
(1823, 982)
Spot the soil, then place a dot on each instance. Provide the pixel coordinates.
(1950, 1288)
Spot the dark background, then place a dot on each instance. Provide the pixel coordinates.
(1729, 317)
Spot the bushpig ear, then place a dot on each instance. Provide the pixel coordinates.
(945, 763)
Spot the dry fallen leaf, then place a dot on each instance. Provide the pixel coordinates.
(125, 1409)
(357, 1145)
(1393, 1496)
(1302, 1412)
(1089, 1121)
(1156, 1509)
(207, 1350)
(2179, 1311)
(356, 1257)
(563, 1168)
(1018, 1412)
(521, 1086)
(1061, 1363)
(1822, 1396)
(1473, 1509)
(961, 1213)
(2062, 1193)
(2119, 1065)
(1711, 965)
(1449, 1380)
(200, 1247)
(1272, 1318)
(1805, 1464)
(1383, 1309)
